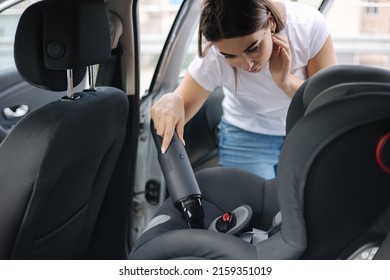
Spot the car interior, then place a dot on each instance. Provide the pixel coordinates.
(82, 177)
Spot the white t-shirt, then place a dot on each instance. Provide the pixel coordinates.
(259, 105)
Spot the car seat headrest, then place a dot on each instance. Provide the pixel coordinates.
(116, 28)
(345, 90)
(341, 74)
(360, 76)
(55, 35)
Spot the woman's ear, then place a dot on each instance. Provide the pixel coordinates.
(272, 24)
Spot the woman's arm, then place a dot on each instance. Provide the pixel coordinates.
(324, 58)
(173, 110)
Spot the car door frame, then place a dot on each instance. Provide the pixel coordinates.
(150, 187)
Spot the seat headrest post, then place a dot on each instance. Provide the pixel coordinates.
(91, 78)
(70, 91)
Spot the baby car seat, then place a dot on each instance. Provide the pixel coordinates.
(330, 199)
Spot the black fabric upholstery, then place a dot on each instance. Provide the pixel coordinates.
(195, 244)
(340, 178)
(296, 109)
(56, 164)
(79, 29)
(211, 181)
(54, 170)
(61, 35)
(234, 187)
(237, 187)
(331, 188)
(364, 197)
(29, 61)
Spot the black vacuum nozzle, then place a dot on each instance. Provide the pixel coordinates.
(180, 178)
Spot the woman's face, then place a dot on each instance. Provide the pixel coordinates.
(250, 53)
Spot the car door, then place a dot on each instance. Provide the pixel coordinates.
(150, 190)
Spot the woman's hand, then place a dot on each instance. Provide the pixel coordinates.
(168, 115)
(171, 112)
(280, 64)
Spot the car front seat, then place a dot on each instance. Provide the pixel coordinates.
(332, 184)
(57, 162)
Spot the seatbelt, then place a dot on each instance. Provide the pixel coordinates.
(257, 235)
(109, 71)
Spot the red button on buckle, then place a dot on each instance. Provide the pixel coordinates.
(226, 217)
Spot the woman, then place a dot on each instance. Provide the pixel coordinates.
(260, 52)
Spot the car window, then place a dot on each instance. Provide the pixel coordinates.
(9, 19)
(361, 31)
(155, 17)
(155, 20)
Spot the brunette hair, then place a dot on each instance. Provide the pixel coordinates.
(225, 19)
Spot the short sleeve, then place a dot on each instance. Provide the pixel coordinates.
(206, 71)
(319, 33)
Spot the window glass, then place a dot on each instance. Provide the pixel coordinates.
(361, 31)
(155, 17)
(192, 52)
(155, 20)
(8, 22)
